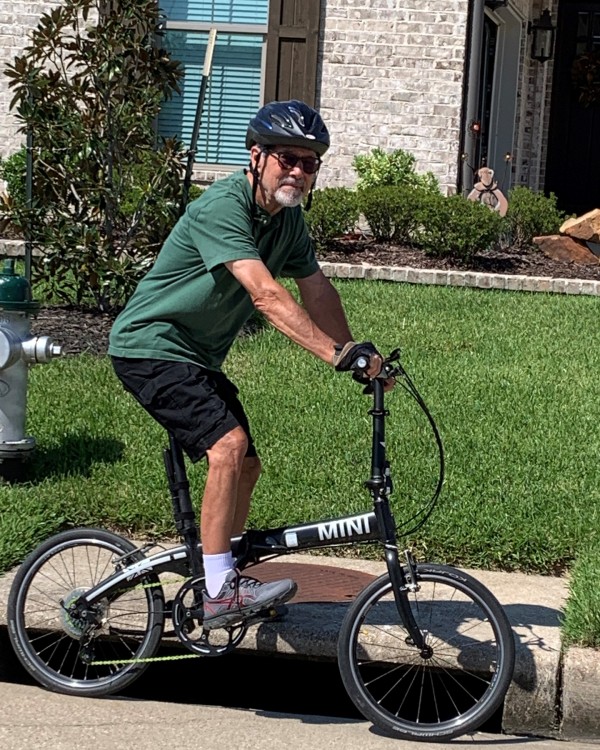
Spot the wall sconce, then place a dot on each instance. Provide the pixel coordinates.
(543, 31)
(495, 4)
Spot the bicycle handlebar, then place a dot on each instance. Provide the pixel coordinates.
(388, 369)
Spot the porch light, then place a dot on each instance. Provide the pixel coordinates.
(542, 31)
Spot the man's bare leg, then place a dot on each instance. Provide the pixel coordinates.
(225, 461)
(230, 479)
(249, 475)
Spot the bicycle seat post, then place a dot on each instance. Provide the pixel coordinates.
(183, 511)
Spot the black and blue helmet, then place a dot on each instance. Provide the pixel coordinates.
(292, 123)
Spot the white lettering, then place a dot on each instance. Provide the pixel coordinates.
(344, 528)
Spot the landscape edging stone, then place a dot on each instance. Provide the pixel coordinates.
(510, 282)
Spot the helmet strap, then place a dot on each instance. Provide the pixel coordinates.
(255, 178)
(309, 197)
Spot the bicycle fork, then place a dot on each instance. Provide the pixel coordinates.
(401, 583)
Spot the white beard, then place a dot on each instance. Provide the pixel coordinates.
(289, 198)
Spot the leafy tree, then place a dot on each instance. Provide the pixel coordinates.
(106, 190)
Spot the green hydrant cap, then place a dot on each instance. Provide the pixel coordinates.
(15, 292)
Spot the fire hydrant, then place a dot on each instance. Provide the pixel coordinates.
(18, 351)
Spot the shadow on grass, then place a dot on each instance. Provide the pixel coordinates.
(75, 456)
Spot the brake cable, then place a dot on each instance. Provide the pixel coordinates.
(407, 383)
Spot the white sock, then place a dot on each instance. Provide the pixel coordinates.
(216, 568)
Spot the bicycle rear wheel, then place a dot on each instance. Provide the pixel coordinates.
(95, 656)
(463, 674)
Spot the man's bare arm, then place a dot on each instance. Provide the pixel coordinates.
(281, 309)
(323, 304)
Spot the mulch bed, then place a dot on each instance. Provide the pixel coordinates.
(522, 261)
(80, 330)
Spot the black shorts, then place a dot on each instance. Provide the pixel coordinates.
(197, 406)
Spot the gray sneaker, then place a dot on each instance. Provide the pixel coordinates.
(241, 597)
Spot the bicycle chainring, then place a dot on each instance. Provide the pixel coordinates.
(187, 616)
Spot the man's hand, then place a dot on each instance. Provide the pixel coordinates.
(347, 355)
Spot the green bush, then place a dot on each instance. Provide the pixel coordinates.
(332, 214)
(393, 213)
(195, 191)
(13, 169)
(457, 227)
(396, 168)
(531, 214)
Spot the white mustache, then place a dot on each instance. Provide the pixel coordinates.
(292, 182)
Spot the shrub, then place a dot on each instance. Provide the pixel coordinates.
(531, 214)
(393, 213)
(105, 193)
(396, 168)
(457, 227)
(332, 214)
(195, 191)
(13, 169)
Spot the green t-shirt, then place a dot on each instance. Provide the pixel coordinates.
(189, 307)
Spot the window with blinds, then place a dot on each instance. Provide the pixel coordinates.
(234, 86)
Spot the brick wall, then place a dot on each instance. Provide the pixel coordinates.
(17, 20)
(391, 75)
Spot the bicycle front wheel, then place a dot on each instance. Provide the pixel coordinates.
(94, 655)
(449, 688)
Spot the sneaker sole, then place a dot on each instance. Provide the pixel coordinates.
(239, 616)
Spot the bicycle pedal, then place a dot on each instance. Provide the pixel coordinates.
(269, 614)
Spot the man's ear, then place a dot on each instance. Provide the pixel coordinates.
(255, 154)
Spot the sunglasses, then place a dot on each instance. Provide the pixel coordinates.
(287, 160)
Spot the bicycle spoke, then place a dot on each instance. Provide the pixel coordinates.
(454, 682)
(58, 645)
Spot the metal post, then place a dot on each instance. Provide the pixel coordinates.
(28, 201)
(212, 36)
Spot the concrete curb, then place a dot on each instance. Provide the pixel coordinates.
(581, 694)
(508, 282)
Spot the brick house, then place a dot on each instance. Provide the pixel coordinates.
(451, 81)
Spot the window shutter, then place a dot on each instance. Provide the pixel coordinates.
(292, 46)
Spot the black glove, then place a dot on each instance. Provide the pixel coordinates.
(347, 355)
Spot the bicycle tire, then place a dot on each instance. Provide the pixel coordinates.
(48, 642)
(461, 682)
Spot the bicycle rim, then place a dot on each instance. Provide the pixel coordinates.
(452, 688)
(53, 646)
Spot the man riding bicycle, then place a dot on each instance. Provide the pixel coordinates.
(219, 264)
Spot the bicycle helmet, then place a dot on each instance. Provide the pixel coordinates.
(292, 122)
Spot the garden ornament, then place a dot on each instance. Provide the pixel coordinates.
(486, 191)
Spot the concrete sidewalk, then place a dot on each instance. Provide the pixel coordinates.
(34, 719)
(553, 695)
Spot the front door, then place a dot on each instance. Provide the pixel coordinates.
(573, 166)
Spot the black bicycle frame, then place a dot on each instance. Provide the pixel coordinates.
(254, 546)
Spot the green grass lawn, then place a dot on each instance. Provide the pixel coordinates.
(510, 378)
